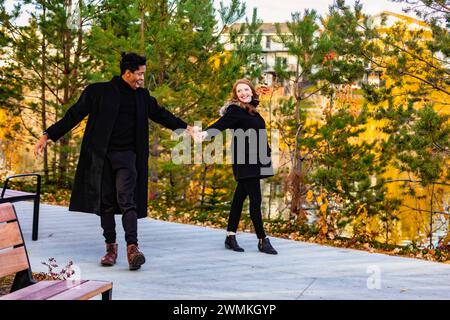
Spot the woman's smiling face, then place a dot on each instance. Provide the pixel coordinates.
(244, 93)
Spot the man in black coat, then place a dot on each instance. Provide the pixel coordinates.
(112, 172)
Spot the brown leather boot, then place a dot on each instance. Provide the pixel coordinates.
(109, 259)
(135, 257)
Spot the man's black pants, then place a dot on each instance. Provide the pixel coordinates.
(118, 191)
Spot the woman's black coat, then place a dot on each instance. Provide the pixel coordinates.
(250, 160)
(101, 102)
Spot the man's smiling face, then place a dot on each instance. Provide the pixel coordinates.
(135, 79)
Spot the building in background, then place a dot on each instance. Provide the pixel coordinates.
(273, 50)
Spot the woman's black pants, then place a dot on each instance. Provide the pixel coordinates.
(252, 188)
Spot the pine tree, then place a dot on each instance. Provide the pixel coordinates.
(302, 41)
(51, 55)
(413, 104)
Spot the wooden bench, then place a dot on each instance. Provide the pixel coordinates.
(14, 260)
(8, 195)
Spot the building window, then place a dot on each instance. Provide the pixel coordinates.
(268, 42)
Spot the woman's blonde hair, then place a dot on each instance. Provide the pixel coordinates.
(234, 98)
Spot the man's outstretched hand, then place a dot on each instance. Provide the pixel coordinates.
(194, 132)
(40, 145)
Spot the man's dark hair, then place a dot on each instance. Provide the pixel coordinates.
(131, 61)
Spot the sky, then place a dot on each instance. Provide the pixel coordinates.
(280, 10)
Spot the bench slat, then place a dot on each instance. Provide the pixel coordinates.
(52, 290)
(7, 212)
(20, 294)
(14, 193)
(85, 291)
(13, 261)
(10, 235)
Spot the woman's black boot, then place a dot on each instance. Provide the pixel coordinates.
(265, 246)
(231, 243)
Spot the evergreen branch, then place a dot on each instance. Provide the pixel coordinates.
(21, 106)
(422, 210)
(414, 181)
(30, 131)
(436, 6)
(436, 101)
(425, 81)
(413, 55)
(313, 93)
(283, 136)
(408, 74)
(47, 86)
(441, 148)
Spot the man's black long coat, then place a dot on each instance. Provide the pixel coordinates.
(101, 102)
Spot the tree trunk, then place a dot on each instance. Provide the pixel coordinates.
(43, 97)
(142, 26)
(297, 176)
(64, 141)
(155, 133)
(431, 215)
(153, 166)
(202, 199)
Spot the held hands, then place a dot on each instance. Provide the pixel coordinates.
(200, 136)
(196, 133)
(40, 145)
(192, 130)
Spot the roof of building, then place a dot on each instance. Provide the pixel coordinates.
(266, 28)
(270, 28)
(402, 17)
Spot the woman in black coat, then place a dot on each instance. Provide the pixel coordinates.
(251, 159)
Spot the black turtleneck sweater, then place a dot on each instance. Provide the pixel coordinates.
(123, 137)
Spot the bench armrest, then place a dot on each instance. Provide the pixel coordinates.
(38, 180)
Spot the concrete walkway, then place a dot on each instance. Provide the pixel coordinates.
(190, 262)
